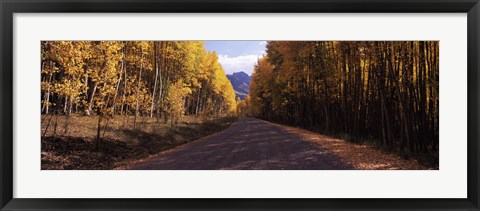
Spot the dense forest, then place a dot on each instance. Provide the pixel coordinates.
(382, 92)
(158, 79)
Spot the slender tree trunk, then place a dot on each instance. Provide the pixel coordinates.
(47, 96)
(122, 69)
(198, 101)
(156, 76)
(138, 95)
(124, 111)
(65, 106)
(90, 102)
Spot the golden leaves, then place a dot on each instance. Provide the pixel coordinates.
(99, 74)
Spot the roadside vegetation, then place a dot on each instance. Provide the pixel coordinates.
(105, 103)
(120, 145)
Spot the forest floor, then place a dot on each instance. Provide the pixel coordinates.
(360, 156)
(120, 145)
(256, 144)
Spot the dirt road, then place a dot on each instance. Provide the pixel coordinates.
(247, 144)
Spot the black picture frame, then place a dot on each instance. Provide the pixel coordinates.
(9, 7)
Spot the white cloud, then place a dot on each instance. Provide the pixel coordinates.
(262, 43)
(243, 63)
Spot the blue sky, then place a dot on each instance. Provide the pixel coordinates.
(237, 56)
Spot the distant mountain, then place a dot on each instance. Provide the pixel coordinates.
(241, 83)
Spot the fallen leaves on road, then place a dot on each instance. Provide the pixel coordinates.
(360, 156)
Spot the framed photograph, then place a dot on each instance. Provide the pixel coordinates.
(227, 105)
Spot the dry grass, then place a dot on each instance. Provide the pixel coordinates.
(74, 146)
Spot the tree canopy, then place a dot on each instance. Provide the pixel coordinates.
(163, 79)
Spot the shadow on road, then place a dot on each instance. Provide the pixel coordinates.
(249, 144)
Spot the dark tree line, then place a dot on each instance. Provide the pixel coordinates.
(386, 92)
